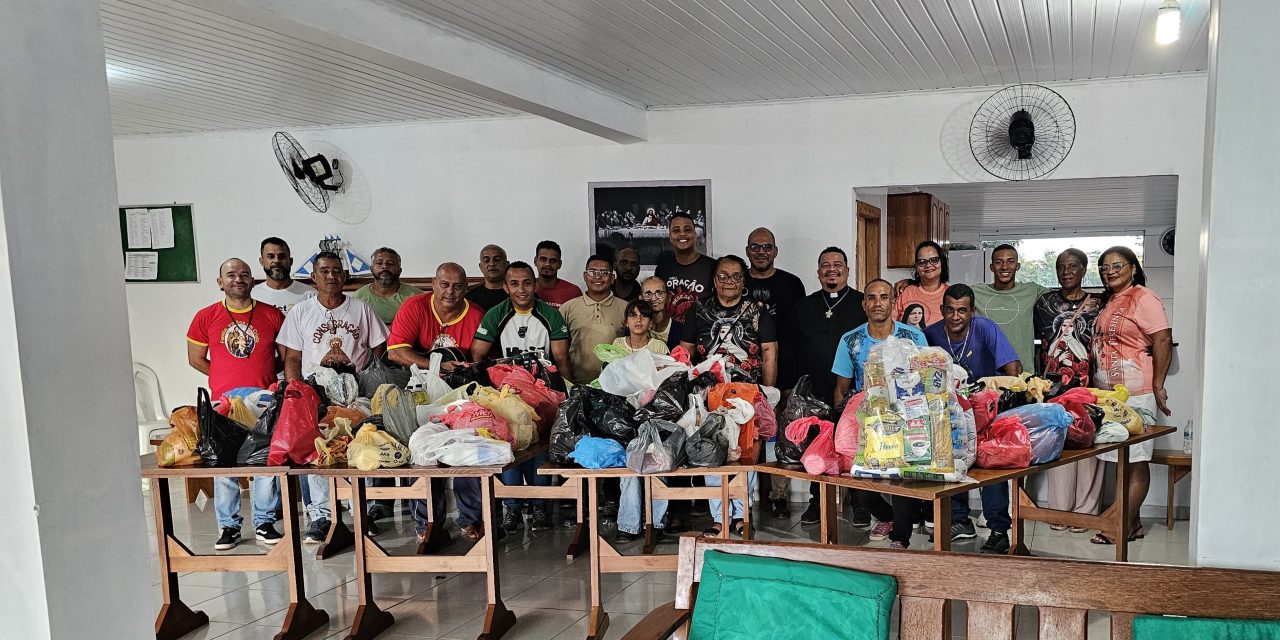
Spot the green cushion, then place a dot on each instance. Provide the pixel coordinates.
(1175, 628)
(745, 596)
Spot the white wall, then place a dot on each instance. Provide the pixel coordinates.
(440, 191)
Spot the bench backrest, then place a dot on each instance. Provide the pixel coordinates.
(1064, 591)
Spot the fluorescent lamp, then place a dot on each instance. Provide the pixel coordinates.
(1168, 22)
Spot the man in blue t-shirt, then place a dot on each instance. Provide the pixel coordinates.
(977, 344)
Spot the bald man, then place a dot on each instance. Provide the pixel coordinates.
(493, 267)
(233, 342)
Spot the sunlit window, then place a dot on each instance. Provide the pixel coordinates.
(1038, 256)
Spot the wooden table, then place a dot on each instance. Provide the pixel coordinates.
(176, 618)
(1111, 522)
(1179, 464)
(606, 559)
(372, 558)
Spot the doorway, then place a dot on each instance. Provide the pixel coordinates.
(868, 251)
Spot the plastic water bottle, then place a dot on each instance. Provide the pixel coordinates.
(1187, 436)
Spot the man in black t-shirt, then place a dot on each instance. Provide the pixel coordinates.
(776, 290)
(688, 274)
(493, 266)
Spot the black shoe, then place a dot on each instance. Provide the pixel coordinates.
(378, 512)
(609, 511)
(997, 543)
(812, 515)
(266, 533)
(229, 539)
(963, 530)
(372, 527)
(627, 536)
(861, 518)
(540, 520)
(781, 510)
(316, 532)
(512, 521)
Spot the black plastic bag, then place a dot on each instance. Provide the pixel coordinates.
(1013, 399)
(610, 416)
(1096, 414)
(707, 447)
(220, 436)
(379, 372)
(669, 402)
(461, 376)
(658, 447)
(800, 404)
(570, 426)
(704, 381)
(257, 447)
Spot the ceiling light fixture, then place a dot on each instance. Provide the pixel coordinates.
(1168, 22)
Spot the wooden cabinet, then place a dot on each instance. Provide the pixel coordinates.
(913, 218)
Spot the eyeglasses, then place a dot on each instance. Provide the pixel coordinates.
(598, 273)
(1114, 266)
(1070, 268)
(756, 246)
(929, 262)
(653, 295)
(728, 277)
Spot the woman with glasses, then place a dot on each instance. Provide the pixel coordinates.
(1064, 320)
(927, 285)
(664, 327)
(1132, 346)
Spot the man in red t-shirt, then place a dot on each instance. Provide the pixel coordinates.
(441, 318)
(233, 341)
(551, 289)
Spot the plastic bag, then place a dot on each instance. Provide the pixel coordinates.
(599, 453)
(476, 451)
(354, 416)
(741, 415)
(1046, 425)
(986, 404)
(399, 417)
(707, 445)
(469, 415)
(820, 456)
(634, 374)
(657, 447)
(964, 436)
(802, 403)
(179, 447)
(609, 353)
(721, 395)
(570, 426)
(1114, 408)
(255, 399)
(534, 391)
(610, 416)
(331, 448)
(238, 411)
(220, 436)
(372, 449)
(423, 444)
(441, 405)
(885, 446)
(1080, 433)
(669, 402)
(380, 371)
(1004, 444)
(256, 449)
(789, 451)
(766, 417)
(695, 414)
(1111, 432)
(521, 419)
(339, 388)
(848, 432)
(427, 386)
(294, 437)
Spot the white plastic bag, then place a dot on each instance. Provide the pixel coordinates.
(632, 375)
(340, 388)
(427, 386)
(1111, 432)
(476, 452)
(420, 444)
(693, 418)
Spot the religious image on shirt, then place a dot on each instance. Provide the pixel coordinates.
(913, 316)
(735, 336)
(239, 338)
(1065, 329)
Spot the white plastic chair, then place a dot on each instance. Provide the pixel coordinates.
(153, 419)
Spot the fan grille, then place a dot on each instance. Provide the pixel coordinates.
(1055, 131)
(290, 155)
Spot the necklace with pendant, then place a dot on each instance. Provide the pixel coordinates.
(832, 307)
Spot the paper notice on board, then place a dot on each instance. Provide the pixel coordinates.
(141, 265)
(138, 228)
(161, 228)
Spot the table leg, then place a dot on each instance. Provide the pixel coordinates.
(744, 483)
(829, 532)
(599, 619)
(1168, 497)
(579, 540)
(647, 498)
(725, 509)
(301, 618)
(370, 620)
(176, 618)
(339, 537)
(1017, 546)
(1122, 503)
(497, 618)
(942, 525)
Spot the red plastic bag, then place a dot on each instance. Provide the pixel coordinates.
(545, 400)
(1082, 430)
(848, 433)
(986, 404)
(766, 417)
(1005, 444)
(748, 433)
(470, 415)
(294, 438)
(820, 457)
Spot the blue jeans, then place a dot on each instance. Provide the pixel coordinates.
(525, 473)
(264, 494)
(631, 506)
(995, 506)
(735, 504)
(466, 491)
(317, 500)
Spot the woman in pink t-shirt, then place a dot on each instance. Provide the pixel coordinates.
(927, 286)
(1132, 346)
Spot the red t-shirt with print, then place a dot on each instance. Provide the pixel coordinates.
(241, 342)
(418, 327)
(561, 293)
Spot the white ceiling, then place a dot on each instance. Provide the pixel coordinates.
(173, 67)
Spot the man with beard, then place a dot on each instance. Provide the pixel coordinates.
(386, 293)
(328, 330)
(813, 329)
(772, 287)
(593, 318)
(551, 289)
(282, 291)
(493, 266)
(689, 275)
(442, 318)
(627, 267)
(233, 341)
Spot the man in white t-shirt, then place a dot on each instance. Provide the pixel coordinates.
(281, 290)
(332, 330)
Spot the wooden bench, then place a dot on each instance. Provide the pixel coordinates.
(1063, 591)
(1179, 464)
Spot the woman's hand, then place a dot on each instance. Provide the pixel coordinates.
(1162, 400)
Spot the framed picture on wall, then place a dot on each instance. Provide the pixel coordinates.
(637, 214)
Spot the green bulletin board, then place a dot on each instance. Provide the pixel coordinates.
(175, 264)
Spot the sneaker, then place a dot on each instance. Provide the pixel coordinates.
(881, 531)
(894, 544)
(997, 543)
(963, 530)
(371, 527)
(627, 536)
(266, 533)
(316, 532)
(781, 510)
(378, 512)
(812, 515)
(861, 518)
(928, 525)
(229, 539)
(609, 511)
(512, 520)
(540, 520)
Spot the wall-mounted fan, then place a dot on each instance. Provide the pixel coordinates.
(1022, 132)
(311, 176)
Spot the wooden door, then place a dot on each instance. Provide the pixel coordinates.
(868, 252)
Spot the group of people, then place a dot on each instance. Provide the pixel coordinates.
(749, 311)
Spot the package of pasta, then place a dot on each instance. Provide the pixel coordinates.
(885, 447)
(941, 431)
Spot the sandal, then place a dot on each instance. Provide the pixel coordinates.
(712, 531)
(737, 528)
(472, 533)
(1101, 538)
(1078, 529)
(1057, 527)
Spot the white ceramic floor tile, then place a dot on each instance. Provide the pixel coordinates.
(211, 630)
(531, 624)
(563, 593)
(341, 610)
(472, 587)
(244, 605)
(430, 619)
(641, 598)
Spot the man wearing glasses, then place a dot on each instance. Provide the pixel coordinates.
(593, 318)
(772, 287)
(665, 327)
(728, 324)
(1009, 303)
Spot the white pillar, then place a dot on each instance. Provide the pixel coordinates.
(74, 563)
(1237, 463)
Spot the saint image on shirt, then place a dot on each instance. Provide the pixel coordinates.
(913, 316)
(239, 339)
(726, 338)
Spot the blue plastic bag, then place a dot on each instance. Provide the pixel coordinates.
(599, 453)
(1047, 424)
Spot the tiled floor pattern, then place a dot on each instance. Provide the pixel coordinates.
(548, 594)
